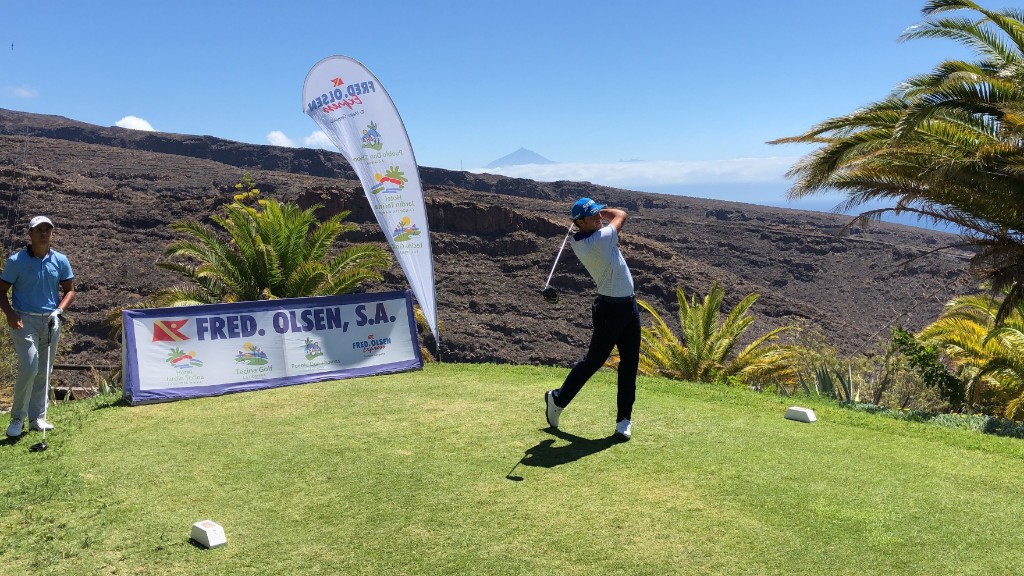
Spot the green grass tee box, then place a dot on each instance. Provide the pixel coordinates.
(452, 470)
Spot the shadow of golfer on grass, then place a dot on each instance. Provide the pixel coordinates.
(10, 441)
(546, 455)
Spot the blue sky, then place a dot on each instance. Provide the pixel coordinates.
(687, 92)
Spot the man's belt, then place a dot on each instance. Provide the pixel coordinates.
(616, 299)
(41, 314)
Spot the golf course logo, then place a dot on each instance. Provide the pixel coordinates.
(182, 360)
(405, 230)
(169, 330)
(391, 182)
(252, 355)
(371, 138)
(312, 349)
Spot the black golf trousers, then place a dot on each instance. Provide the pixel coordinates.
(616, 323)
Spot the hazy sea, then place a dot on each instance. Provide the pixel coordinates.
(774, 194)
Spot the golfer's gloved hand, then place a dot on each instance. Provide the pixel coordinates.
(55, 315)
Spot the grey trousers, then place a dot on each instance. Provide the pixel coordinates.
(35, 346)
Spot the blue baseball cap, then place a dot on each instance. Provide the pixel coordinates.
(585, 207)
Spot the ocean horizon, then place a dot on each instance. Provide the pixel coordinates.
(773, 194)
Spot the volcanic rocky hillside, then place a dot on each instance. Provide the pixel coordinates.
(112, 192)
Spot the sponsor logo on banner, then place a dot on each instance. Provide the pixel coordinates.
(391, 182)
(371, 138)
(182, 360)
(169, 330)
(255, 361)
(338, 97)
(372, 346)
(252, 355)
(405, 230)
(246, 326)
(312, 349)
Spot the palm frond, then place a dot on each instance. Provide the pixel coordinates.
(705, 350)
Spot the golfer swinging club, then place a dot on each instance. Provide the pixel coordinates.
(33, 320)
(615, 312)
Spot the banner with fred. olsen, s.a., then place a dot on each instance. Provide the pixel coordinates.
(194, 351)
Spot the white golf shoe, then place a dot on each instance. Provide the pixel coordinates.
(553, 411)
(16, 427)
(624, 429)
(40, 424)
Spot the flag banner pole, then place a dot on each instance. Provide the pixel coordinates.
(352, 108)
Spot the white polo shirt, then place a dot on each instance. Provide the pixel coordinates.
(600, 254)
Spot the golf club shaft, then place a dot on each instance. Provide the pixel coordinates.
(54, 323)
(559, 255)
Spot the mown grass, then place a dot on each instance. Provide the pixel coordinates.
(451, 470)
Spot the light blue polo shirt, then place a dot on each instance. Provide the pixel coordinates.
(599, 252)
(36, 281)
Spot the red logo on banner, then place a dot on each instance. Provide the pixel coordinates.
(338, 81)
(169, 330)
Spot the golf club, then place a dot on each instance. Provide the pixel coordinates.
(41, 446)
(550, 294)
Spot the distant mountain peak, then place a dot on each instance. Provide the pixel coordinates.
(521, 156)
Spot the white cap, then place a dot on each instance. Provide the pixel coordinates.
(39, 220)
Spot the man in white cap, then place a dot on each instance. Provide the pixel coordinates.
(33, 277)
(615, 313)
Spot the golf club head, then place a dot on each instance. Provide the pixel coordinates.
(551, 295)
(38, 447)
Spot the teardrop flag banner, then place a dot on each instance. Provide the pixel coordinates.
(352, 108)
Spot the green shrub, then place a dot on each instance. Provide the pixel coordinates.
(972, 422)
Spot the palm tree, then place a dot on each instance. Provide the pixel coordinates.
(989, 359)
(269, 250)
(947, 145)
(278, 251)
(423, 329)
(1008, 368)
(706, 352)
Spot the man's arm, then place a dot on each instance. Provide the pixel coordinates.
(13, 319)
(615, 217)
(68, 286)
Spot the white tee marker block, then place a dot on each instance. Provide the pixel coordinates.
(209, 534)
(800, 414)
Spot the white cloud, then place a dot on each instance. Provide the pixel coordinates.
(134, 123)
(25, 92)
(655, 173)
(318, 140)
(278, 138)
(315, 140)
